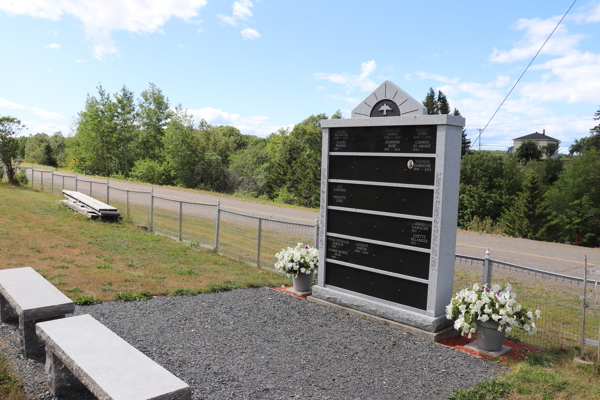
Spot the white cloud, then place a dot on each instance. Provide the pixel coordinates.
(241, 9)
(53, 46)
(347, 99)
(180, 45)
(240, 12)
(408, 77)
(9, 104)
(101, 18)
(200, 30)
(536, 32)
(249, 34)
(257, 125)
(227, 19)
(79, 61)
(47, 114)
(367, 68)
(435, 77)
(50, 127)
(319, 88)
(350, 81)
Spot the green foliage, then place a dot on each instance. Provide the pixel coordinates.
(549, 170)
(550, 149)
(430, 103)
(528, 217)
(575, 201)
(488, 184)
(528, 151)
(9, 146)
(22, 177)
(443, 105)
(466, 142)
(86, 300)
(491, 390)
(133, 296)
(149, 171)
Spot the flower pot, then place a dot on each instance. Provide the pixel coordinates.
(489, 338)
(302, 282)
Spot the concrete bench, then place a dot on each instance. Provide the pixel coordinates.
(28, 296)
(80, 351)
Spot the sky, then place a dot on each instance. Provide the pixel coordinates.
(262, 65)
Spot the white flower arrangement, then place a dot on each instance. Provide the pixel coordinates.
(300, 259)
(483, 304)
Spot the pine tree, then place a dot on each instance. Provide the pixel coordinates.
(430, 103)
(443, 107)
(529, 216)
(456, 112)
(466, 142)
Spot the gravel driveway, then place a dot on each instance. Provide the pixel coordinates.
(263, 344)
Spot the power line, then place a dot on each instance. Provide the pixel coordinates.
(518, 80)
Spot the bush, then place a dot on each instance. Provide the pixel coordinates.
(22, 177)
(150, 171)
(1, 173)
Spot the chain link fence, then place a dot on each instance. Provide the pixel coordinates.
(248, 238)
(256, 240)
(557, 296)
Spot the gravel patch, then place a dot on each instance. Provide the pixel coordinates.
(263, 344)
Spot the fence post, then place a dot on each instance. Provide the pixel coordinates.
(32, 175)
(317, 233)
(107, 191)
(151, 211)
(52, 187)
(76, 182)
(487, 268)
(180, 221)
(127, 197)
(218, 227)
(258, 242)
(62, 183)
(42, 180)
(583, 308)
(91, 189)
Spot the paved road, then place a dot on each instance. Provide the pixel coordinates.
(561, 258)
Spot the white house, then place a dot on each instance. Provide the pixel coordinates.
(538, 138)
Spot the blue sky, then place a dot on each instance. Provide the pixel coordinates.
(262, 65)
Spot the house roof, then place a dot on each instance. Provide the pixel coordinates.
(537, 136)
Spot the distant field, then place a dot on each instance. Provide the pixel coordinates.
(90, 258)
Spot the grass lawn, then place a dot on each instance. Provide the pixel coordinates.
(89, 258)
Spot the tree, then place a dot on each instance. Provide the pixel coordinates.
(528, 151)
(575, 200)
(58, 143)
(337, 115)
(549, 170)
(550, 149)
(183, 152)
(9, 145)
(528, 217)
(466, 142)
(596, 130)
(442, 101)
(590, 142)
(488, 184)
(456, 112)
(126, 129)
(430, 103)
(154, 114)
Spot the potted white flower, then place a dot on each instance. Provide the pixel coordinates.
(299, 263)
(490, 312)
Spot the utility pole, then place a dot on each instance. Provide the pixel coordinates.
(480, 130)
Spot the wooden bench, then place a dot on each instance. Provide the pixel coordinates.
(82, 352)
(28, 296)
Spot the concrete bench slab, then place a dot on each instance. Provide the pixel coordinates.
(28, 296)
(83, 348)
